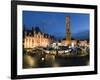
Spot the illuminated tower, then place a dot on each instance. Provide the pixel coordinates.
(68, 33)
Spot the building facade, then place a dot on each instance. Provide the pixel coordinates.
(34, 39)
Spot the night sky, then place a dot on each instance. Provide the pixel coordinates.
(55, 23)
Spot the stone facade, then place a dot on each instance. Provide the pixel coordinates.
(34, 39)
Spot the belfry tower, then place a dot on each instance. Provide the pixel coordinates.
(68, 33)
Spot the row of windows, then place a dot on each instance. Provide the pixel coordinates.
(35, 40)
(30, 44)
(39, 36)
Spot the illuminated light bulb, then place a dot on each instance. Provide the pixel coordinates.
(42, 59)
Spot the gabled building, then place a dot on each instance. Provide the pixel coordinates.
(35, 38)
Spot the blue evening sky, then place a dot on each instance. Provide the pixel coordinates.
(54, 23)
